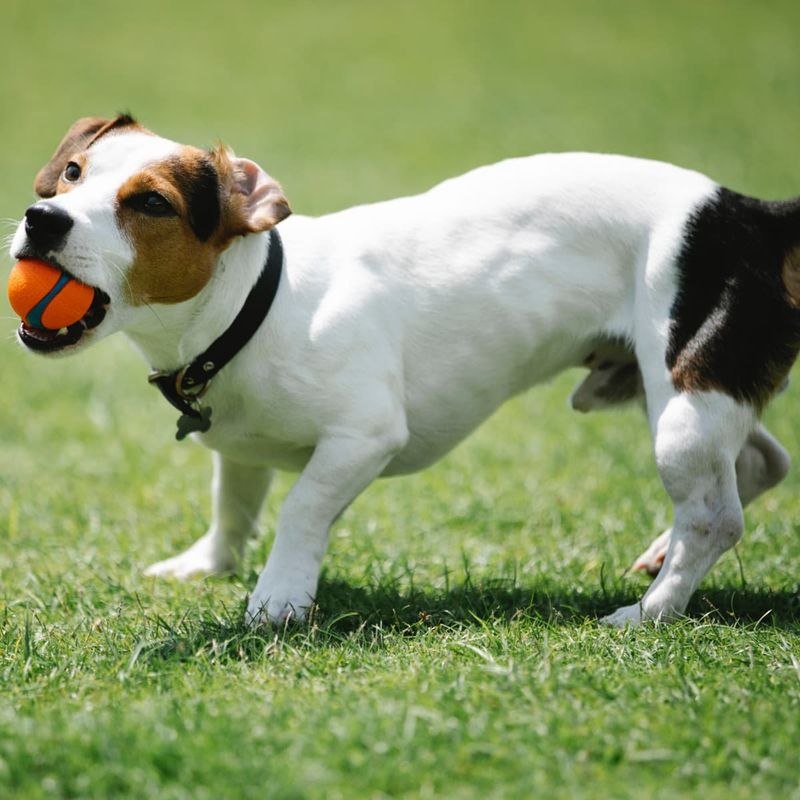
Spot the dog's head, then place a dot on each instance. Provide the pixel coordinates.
(140, 218)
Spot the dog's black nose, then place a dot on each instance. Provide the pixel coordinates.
(46, 225)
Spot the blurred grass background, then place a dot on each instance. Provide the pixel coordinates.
(455, 654)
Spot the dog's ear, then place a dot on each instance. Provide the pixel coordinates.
(75, 140)
(791, 274)
(259, 197)
(255, 201)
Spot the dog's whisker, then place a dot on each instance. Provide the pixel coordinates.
(155, 314)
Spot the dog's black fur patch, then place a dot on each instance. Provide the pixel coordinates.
(200, 186)
(733, 326)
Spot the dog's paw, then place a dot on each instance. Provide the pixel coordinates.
(277, 604)
(205, 557)
(627, 615)
(652, 559)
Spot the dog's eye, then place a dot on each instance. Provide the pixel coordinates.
(156, 205)
(72, 172)
(151, 203)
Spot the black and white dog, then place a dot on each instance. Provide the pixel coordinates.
(398, 327)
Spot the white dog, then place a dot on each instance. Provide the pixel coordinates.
(398, 327)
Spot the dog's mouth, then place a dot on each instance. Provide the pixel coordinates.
(45, 340)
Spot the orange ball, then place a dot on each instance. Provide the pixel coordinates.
(45, 297)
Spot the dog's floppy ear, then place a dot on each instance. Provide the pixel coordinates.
(259, 197)
(791, 274)
(75, 140)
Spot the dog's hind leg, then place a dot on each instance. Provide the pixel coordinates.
(237, 494)
(761, 464)
(652, 558)
(698, 437)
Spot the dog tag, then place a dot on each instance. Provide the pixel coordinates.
(187, 424)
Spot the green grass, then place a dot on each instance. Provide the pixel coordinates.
(455, 652)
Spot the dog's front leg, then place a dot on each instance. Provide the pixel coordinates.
(762, 463)
(343, 464)
(697, 440)
(237, 493)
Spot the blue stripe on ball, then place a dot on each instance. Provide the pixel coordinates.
(35, 314)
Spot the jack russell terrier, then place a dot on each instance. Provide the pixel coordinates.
(373, 340)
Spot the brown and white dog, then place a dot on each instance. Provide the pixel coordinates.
(399, 326)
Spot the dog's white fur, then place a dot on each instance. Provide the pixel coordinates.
(400, 326)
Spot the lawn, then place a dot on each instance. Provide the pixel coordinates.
(456, 651)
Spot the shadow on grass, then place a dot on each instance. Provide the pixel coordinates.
(365, 616)
(470, 603)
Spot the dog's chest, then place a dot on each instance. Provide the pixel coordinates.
(241, 438)
(255, 427)
(256, 448)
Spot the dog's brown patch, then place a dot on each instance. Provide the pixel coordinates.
(175, 254)
(215, 201)
(121, 121)
(791, 275)
(233, 222)
(81, 135)
(692, 373)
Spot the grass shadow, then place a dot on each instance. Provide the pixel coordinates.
(366, 615)
(501, 599)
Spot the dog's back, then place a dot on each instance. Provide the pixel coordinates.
(489, 282)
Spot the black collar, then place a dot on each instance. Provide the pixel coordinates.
(185, 387)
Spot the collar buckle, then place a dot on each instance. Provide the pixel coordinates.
(188, 388)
